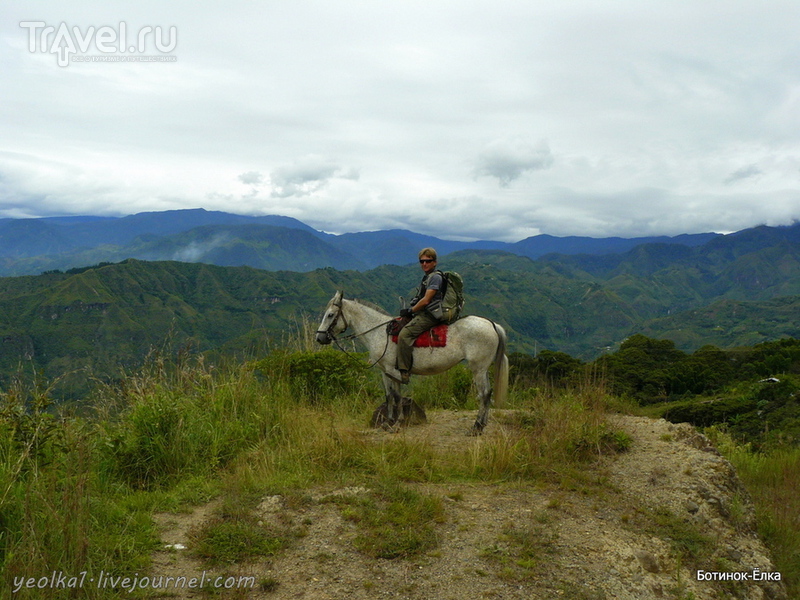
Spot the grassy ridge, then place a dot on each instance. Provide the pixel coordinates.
(77, 494)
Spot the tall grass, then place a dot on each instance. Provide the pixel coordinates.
(548, 435)
(55, 515)
(545, 435)
(76, 494)
(773, 479)
(451, 390)
(181, 420)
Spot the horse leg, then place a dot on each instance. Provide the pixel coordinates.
(484, 389)
(394, 402)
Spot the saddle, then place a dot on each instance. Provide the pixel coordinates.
(435, 337)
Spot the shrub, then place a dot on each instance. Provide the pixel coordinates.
(27, 425)
(553, 368)
(171, 425)
(149, 447)
(765, 414)
(316, 375)
(640, 368)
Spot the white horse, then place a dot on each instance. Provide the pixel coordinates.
(476, 340)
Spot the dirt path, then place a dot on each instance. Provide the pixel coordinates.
(605, 540)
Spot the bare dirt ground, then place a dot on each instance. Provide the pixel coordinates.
(594, 542)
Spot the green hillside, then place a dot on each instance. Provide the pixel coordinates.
(107, 318)
(103, 319)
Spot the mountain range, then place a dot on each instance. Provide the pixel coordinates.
(32, 246)
(271, 279)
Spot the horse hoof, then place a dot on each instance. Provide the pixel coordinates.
(393, 428)
(475, 431)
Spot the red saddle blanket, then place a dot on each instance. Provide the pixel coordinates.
(433, 338)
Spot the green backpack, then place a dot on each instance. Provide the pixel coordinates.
(453, 296)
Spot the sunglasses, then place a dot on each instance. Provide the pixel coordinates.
(426, 260)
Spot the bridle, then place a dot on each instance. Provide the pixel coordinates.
(329, 330)
(332, 336)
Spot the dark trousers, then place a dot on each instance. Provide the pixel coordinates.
(421, 323)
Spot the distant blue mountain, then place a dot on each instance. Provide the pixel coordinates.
(536, 246)
(124, 229)
(31, 246)
(398, 246)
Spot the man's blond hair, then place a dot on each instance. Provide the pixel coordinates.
(429, 252)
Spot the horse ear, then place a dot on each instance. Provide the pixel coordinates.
(339, 295)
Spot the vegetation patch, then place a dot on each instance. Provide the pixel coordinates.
(394, 522)
(450, 390)
(764, 413)
(772, 477)
(688, 544)
(521, 551)
(173, 421)
(77, 493)
(553, 432)
(236, 539)
(316, 376)
(653, 371)
(56, 512)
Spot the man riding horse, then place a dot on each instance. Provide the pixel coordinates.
(478, 341)
(422, 313)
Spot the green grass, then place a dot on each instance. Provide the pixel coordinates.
(687, 542)
(549, 434)
(773, 478)
(522, 551)
(223, 541)
(236, 534)
(57, 513)
(78, 494)
(450, 390)
(394, 521)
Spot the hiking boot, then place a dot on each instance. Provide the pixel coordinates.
(405, 376)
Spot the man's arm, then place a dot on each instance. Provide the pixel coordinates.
(424, 301)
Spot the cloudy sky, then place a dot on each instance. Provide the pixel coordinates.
(464, 119)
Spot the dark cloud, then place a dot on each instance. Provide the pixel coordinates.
(306, 176)
(508, 159)
(743, 173)
(251, 178)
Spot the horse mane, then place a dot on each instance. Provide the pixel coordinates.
(371, 305)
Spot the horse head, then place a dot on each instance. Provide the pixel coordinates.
(333, 321)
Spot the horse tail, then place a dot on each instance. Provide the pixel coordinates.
(500, 368)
